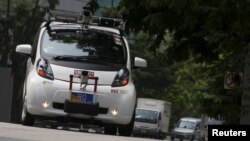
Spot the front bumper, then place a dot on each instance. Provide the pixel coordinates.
(57, 95)
(183, 136)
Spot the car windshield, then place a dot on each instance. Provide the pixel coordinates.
(82, 45)
(147, 116)
(186, 124)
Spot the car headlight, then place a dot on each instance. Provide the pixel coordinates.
(43, 69)
(121, 78)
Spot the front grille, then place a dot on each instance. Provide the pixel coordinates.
(60, 106)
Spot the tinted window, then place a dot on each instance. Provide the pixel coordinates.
(84, 43)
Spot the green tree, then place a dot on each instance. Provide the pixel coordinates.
(26, 21)
(214, 34)
(5, 28)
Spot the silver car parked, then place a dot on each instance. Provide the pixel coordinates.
(188, 128)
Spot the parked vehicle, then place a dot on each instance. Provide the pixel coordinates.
(152, 118)
(189, 128)
(214, 121)
(79, 71)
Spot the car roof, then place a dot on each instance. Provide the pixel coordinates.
(148, 109)
(214, 121)
(63, 25)
(191, 119)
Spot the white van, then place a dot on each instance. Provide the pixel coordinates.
(188, 128)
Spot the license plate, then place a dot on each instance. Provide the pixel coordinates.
(82, 97)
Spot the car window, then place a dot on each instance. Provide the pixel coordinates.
(147, 116)
(105, 46)
(186, 124)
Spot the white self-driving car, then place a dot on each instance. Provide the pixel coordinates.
(80, 72)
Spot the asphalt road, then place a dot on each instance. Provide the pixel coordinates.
(17, 132)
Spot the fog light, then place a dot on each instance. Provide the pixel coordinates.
(45, 104)
(114, 111)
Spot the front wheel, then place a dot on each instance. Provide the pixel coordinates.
(172, 138)
(27, 118)
(126, 130)
(192, 139)
(202, 139)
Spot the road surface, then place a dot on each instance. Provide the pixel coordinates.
(17, 132)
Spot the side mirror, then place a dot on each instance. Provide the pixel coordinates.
(24, 49)
(139, 62)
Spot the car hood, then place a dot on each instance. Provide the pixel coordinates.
(63, 73)
(183, 130)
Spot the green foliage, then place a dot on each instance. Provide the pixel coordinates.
(199, 26)
(106, 10)
(209, 37)
(93, 5)
(27, 3)
(53, 3)
(25, 23)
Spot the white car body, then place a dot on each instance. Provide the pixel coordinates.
(46, 98)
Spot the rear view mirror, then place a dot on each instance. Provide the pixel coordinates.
(24, 49)
(139, 62)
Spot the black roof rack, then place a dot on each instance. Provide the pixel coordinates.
(85, 18)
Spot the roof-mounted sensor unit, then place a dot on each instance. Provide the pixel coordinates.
(62, 16)
(85, 17)
(109, 22)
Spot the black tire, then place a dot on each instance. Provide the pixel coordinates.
(53, 126)
(26, 118)
(161, 137)
(192, 138)
(202, 139)
(172, 138)
(110, 129)
(126, 130)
